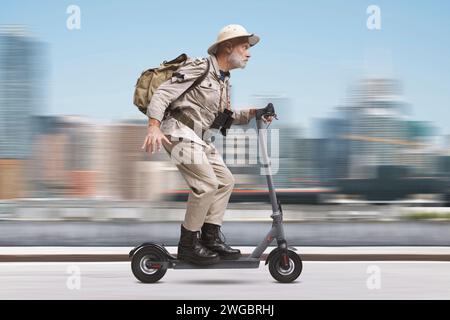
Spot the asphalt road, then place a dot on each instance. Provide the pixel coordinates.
(319, 280)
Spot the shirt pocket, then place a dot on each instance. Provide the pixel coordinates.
(208, 95)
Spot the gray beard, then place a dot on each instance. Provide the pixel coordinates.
(235, 61)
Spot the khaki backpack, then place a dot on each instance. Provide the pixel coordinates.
(151, 79)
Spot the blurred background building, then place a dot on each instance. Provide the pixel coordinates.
(76, 158)
(22, 94)
(380, 131)
(376, 145)
(64, 157)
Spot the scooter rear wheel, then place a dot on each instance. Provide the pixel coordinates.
(289, 274)
(148, 265)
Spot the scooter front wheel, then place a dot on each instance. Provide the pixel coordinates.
(285, 272)
(149, 265)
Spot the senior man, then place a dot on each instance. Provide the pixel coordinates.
(181, 113)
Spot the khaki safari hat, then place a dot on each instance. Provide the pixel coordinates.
(230, 32)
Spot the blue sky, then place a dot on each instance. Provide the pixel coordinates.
(310, 51)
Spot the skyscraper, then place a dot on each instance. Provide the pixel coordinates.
(21, 95)
(22, 69)
(378, 125)
(373, 129)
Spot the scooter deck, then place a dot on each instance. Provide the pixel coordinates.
(242, 262)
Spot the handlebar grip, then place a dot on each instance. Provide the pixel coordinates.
(269, 110)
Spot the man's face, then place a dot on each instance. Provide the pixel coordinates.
(240, 54)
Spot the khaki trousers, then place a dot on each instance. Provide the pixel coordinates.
(209, 179)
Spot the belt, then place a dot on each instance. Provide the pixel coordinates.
(187, 121)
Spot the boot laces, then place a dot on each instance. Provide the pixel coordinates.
(221, 236)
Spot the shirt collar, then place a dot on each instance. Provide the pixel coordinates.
(215, 66)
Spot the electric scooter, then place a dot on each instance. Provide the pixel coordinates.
(150, 261)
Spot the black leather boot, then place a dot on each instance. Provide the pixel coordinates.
(211, 239)
(191, 249)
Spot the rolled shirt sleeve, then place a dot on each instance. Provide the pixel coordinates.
(241, 116)
(172, 89)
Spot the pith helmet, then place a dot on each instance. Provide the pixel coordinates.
(230, 32)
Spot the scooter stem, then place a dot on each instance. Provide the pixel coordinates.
(262, 140)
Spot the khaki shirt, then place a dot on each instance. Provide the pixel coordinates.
(202, 103)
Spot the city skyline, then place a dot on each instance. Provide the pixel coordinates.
(370, 138)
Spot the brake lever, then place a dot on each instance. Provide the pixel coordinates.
(270, 115)
(269, 110)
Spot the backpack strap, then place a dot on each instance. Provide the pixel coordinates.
(199, 79)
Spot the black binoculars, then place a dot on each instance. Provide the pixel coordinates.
(223, 121)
